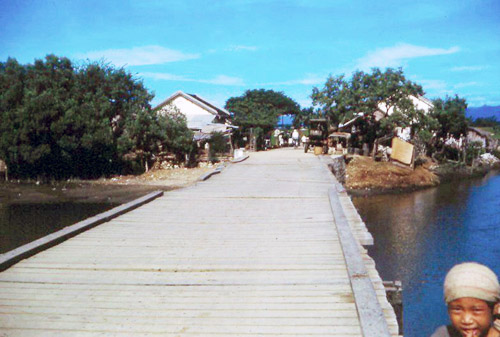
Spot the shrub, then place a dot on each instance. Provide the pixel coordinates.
(218, 145)
(473, 151)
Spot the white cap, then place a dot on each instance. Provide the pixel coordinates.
(471, 279)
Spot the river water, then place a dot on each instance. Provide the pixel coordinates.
(419, 236)
(29, 212)
(22, 223)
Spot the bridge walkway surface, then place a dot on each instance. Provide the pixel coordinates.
(257, 250)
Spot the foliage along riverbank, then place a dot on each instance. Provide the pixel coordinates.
(364, 176)
(60, 120)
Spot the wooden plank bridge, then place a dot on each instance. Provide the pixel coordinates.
(267, 248)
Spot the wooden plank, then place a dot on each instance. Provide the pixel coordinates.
(180, 328)
(71, 333)
(184, 320)
(372, 319)
(143, 313)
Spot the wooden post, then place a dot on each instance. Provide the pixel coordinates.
(374, 151)
(231, 148)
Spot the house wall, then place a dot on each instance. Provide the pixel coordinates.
(417, 102)
(404, 133)
(421, 104)
(196, 116)
(475, 137)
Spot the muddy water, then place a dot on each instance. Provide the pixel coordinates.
(419, 236)
(23, 223)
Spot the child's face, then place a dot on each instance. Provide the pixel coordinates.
(470, 316)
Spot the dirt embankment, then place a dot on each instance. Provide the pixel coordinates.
(116, 190)
(364, 175)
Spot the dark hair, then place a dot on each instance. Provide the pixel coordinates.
(491, 305)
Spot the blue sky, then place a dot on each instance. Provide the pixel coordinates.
(219, 49)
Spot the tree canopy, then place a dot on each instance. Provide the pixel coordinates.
(260, 108)
(303, 117)
(388, 93)
(450, 113)
(491, 121)
(58, 120)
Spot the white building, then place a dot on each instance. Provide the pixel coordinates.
(485, 138)
(420, 103)
(197, 110)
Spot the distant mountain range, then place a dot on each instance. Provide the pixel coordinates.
(483, 112)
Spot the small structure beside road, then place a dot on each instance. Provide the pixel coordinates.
(477, 135)
(203, 118)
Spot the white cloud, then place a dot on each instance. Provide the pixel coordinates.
(224, 80)
(233, 48)
(164, 76)
(468, 68)
(218, 80)
(242, 48)
(482, 100)
(138, 56)
(466, 84)
(476, 100)
(433, 84)
(395, 56)
(309, 79)
(305, 103)
(434, 88)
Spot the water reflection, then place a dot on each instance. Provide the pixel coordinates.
(419, 236)
(23, 223)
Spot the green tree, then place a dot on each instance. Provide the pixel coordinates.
(261, 108)
(218, 145)
(177, 138)
(491, 121)
(303, 116)
(36, 135)
(12, 79)
(334, 99)
(257, 112)
(116, 105)
(450, 114)
(58, 120)
(143, 137)
(383, 94)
